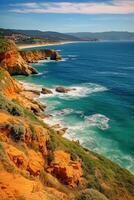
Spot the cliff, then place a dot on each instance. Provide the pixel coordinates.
(17, 62)
(36, 55)
(36, 162)
(11, 60)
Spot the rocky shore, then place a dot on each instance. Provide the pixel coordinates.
(36, 162)
(17, 62)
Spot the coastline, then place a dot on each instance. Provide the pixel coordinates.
(38, 157)
(45, 44)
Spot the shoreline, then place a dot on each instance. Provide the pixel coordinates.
(45, 44)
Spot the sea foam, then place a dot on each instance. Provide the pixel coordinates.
(80, 91)
(98, 120)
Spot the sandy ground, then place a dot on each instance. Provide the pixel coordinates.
(45, 44)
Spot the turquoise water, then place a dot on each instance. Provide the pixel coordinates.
(100, 112)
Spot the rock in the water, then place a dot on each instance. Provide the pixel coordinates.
(46, 91)
(62, 89)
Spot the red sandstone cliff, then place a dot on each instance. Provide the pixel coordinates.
(16, 62)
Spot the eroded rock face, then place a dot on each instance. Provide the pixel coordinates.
(36, 163)
(62, 89)
(33, 163)
(15, 186)
(16, 156)
(12, 61)
(8, 85)
(67, 171)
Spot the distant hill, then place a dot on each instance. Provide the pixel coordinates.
(35, 36)
(112, 35)
(48, 35)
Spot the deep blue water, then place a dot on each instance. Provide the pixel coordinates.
(100, 113)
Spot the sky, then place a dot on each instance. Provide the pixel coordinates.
(68, 15)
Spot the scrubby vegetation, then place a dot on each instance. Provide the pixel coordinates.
(5, 160)
(91, 195)
(10, 106)
(17, 131)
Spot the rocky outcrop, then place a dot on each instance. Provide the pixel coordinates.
(12, 61)
(15, 186)
(62, 89)
(16, 62)
(35, 163)
(14, 90)
(46, 91)
(8, 86)
(66, 170)
(36, 55)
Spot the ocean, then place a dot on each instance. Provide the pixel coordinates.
(100, 112)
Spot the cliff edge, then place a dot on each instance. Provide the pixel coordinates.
(17, 62)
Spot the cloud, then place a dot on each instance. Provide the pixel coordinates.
(116, 7)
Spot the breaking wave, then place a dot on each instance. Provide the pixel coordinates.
(80, 91)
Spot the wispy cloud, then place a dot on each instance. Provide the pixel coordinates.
(116, 7)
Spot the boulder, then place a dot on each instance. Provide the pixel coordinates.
(62, 89)
(46, 91)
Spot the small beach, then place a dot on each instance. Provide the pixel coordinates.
(45, 44)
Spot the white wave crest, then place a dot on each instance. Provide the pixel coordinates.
(65, 111)
(80, 91)
(99, 120)
(31, 86)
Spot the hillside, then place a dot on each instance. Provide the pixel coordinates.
(37, 162)
(48, 35)
(35, 36)
(112, 35)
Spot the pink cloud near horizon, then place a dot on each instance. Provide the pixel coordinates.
(117, 7)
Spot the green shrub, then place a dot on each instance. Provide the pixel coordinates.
(10, 106)
(5, 160)
(50, 158)
(16, 130)
(34, 136)
(73, 156)
(51, 146)
(91, 195)
(20, 198)
(2, 151)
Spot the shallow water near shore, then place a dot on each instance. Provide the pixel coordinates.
(100, 112)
